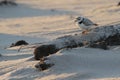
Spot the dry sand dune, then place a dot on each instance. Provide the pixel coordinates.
(44, 20)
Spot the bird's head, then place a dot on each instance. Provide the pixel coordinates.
(79, 19)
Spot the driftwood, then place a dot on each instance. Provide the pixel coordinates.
(99, 37)
(43, 64)
(18, 43)
(7, 2)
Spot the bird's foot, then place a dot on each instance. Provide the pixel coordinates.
(85, 32)
(96, 24)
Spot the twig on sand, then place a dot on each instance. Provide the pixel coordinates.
(29, 46)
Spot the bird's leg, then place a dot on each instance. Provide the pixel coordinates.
(85, 32)
(96, 24)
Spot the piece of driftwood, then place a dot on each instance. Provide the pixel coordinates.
(8, 2)
(43, 64)
(18, 43)
(98, 37)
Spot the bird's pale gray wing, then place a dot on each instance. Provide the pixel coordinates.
(87, 22)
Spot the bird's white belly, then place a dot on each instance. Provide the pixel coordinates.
(83, 27)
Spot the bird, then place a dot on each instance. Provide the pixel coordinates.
(85, 24)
